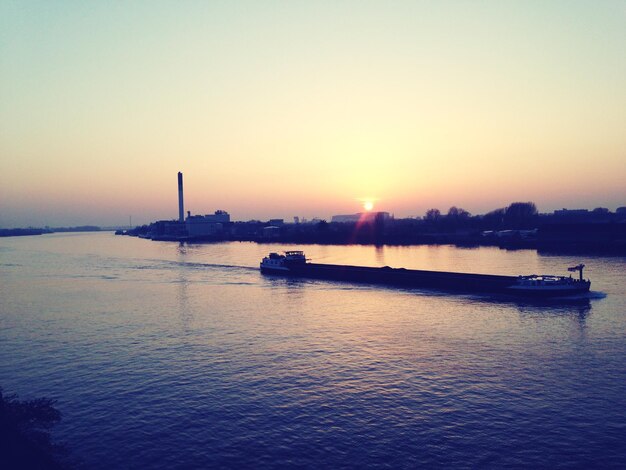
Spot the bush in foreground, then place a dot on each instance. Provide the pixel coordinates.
(25, 433)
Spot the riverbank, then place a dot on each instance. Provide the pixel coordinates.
(608, 238)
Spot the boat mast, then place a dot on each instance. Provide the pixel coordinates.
(578, 268)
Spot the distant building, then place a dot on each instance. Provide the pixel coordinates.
(621, 210)
(246, 230)
(207, 225)
(277, 222)
(166, 230)
(598, 215)
(345, 218)
(362, 216)
(571, 212)
(271, 231)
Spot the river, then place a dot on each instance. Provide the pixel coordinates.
(167, 356)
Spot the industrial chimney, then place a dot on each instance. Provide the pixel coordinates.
(181, 205)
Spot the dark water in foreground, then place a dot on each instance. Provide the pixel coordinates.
(166, 356)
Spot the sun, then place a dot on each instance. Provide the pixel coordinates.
(368, 205)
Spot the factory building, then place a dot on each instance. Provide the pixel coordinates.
(362, 217)
(212, 226)
(181, 205)
(207, 225)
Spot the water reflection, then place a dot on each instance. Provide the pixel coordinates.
(184, 311)
(380, 255)
(556, 305)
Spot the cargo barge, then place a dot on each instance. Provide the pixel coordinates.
(294, 263)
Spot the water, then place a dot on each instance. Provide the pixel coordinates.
(166, 356)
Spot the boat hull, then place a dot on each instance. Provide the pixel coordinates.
(440, 280)
(580, 287)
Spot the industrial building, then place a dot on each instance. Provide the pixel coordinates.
(362, 217)
(194, 227)
(207, 225)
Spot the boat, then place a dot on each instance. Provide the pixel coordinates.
(295, 263)
(282, 263)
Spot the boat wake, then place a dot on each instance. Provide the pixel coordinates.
(591, 295)
(164, 264)
(594, 295)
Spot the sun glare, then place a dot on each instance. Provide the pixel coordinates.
(368, 205)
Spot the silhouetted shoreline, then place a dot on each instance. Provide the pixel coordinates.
(554, 238)
(21, 232)
(518, 226)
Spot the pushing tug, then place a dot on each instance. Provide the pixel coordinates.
(294, 263)
(281, 263)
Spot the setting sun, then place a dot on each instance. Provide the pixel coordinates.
(368, 205)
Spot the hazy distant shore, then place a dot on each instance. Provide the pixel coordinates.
(21, 232)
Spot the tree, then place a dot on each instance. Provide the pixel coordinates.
(24, 433)
(520, 214)
(494, 219)
(433, 215)
(322, 226)
(458, 213)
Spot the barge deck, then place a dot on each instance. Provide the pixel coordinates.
(294, 263)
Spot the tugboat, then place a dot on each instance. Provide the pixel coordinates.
(294, 263)
(282, 263)
(548, 285)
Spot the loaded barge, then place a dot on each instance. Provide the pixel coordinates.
(294, 263)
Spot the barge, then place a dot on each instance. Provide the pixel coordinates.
(294, 263)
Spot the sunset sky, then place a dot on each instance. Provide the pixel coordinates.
(276, 109)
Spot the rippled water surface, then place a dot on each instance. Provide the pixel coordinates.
(167, 356)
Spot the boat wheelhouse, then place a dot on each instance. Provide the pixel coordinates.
(549, 285)
(279, 262)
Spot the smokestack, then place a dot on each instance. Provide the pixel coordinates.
(181, 205)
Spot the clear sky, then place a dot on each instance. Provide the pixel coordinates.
(276, 109)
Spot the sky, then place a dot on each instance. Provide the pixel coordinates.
(308, 108)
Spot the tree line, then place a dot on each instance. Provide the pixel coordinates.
(518, 215)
